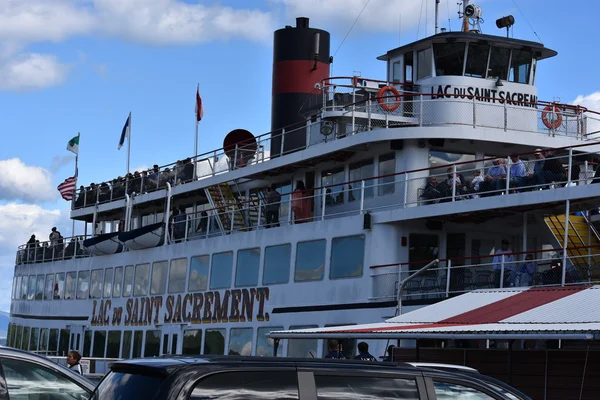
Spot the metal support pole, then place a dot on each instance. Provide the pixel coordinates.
(524, 234)
(454, 182)
(323, 201)
(362, 196)
(565, 243)
(405, 281)
(569, 174)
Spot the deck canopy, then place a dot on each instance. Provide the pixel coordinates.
(514, 313)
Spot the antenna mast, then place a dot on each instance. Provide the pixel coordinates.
(437, 14)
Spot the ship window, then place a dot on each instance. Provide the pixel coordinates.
(59, 286)
(18, 288)
(335, 194)
(63, 341)
(387, 166)
(126, 348)
(520, 66)
(43, 340)
(347, 257)
(221, 270)
(440, 161)
(498, 67)
(276, 267)
(192, 340)
(177, 275)
(24, 283)
(240, 342)
(304, 348)
(152, 345)
(449, 58)
(424, 63)
(39, 293)
(17, 333)
(83, 286)
(35, 336)
(118, 285)
(108, 282)
(31, 289)
(159, 277)
(423, 249)
(248, 263)
(128, 281)
(477, 60)
(70, 285)
(87, 344)
(310, 260)
(397, 72)
(362, 170)
(99, 344)
(53, 341)
(198, 273)
(214, 342)
(114, 344)
(14, 285)
(140, 286)
(25, 342)
(264, 345)
(96, 284)
(138, 337)
(49, 287)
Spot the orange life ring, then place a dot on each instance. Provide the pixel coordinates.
(547, 117)
(382, 94)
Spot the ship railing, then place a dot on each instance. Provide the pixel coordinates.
(48, 251)
(458, 275)
(357, 105)
(447, 182)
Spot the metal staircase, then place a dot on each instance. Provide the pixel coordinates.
(229, 212)
(583, 241)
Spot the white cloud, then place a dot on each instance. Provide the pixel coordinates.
(378, 16)
(60, 161)
(7, 269)
(19, 221)
(590, 101)
(25, 182)
(31, 72)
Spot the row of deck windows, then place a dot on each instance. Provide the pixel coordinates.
(216, 272)
(139, 343)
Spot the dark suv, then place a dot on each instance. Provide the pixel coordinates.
(256, 378)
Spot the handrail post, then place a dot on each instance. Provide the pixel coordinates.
(232, 221)
(362, 196)
(502, 272)
(565, 243)
(474, 115)
(323, 201)
(507, 175)
(403, 283)
(421, 109)
(448, 272)
(454, 182)
(353, 108)
(505, 117)
(290, 220)
(258, 222)
(282, 140)
(569, 174)
(235, 157)
(369, 127)
(185, 236)
(208, 219)
(405, 189)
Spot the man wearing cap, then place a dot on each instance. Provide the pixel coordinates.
(504, 260)
(537, 177)
(54, 236)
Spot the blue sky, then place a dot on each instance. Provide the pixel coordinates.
(69, 66)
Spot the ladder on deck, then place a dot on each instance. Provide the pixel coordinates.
(231, 214)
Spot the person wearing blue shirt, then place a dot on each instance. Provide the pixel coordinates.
(335, 350)
(518, 172)
(363, 353)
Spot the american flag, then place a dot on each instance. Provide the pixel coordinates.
(199, 106)
(67, 188)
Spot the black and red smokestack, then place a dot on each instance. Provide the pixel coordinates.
(300, 60)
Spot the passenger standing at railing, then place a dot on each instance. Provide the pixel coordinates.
(301, 203)
(273, 201)
(504, 261)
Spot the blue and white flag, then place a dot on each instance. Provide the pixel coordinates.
(126, 132)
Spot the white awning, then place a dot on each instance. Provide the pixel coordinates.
(515, 313)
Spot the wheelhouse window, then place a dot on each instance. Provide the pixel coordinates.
(499, 58)
(265, 345)
(477, 60)
(177, 275)
(362, 170)
(387, 166)
(240, 342)
(449, 58)
(246, 271)
(310, 260)
(140, 286)
(347, 257)
(424, 64)
(277, 264)
(198, 273)
(96, 285)
(192, 340)
(159, 277)
(221, 270)
(128, 281)
(215, 341)
(59, 286)
(108, 282)
(118, 284)
(520, 66)
(83, 285)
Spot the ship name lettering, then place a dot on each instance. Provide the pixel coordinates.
(484, 95)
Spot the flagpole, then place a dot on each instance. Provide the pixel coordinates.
(75, 190)
(128, 137)
(196, 137)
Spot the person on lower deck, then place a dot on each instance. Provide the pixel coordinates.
(335, 350)
(363, 353)
(73, 359)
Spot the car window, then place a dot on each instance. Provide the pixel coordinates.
(120, 385)
(451, 391)
(248, 385)
(365, 388)
(27, 381)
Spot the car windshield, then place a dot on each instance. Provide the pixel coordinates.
(119, 385)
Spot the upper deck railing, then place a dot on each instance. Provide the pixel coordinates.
(354, 105)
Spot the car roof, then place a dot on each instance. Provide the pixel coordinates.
(445, 367)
